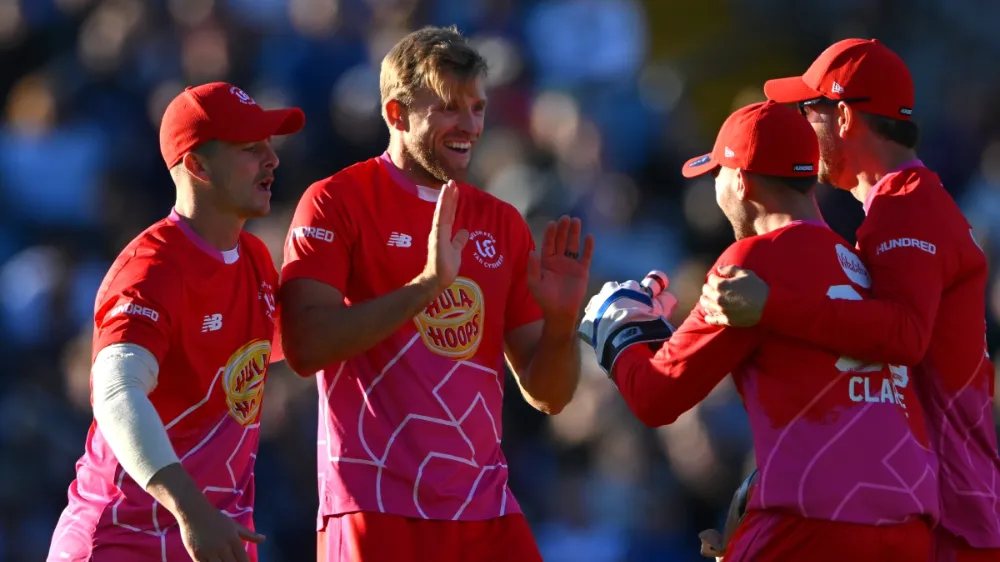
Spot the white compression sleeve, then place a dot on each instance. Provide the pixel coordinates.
(123, 375)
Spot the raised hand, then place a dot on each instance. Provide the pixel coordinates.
(444, 250)
(558, 272)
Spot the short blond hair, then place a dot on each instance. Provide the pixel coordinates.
(429, 58)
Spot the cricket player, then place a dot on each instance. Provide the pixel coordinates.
(404, 288)
(929, 279)
(844, 472)
(183, 327)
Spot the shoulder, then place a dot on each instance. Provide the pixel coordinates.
(748, 253)
(356, 177)
(155, 254)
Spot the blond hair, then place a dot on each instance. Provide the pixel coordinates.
(429, 58)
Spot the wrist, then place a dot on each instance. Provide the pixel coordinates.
(431, 285)
(559, 326)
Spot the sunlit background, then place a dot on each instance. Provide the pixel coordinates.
(594, 104)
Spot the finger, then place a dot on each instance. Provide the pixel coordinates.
(460, 240)
(714, 280)
(444, 212)
(549, 239)
(588, 251)
(712, 538)
(728, 270)
(573, 239)
(709, 299)
(248, 535)
(239, 552)
(562, 233)
(708, 306)
(534, 269)
(715, 320)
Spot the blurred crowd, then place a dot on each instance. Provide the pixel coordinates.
(594, 105)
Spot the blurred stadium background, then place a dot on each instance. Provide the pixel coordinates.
(594, 105)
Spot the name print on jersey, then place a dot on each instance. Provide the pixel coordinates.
(451, 326)
(243, 380)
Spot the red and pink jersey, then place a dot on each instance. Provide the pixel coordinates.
(412, 426)
(835, 439)
(928, 309)
(210, 325)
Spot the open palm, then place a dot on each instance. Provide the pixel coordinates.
(558, 272)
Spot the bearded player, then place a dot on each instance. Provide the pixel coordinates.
(404, 289)
(929, 279)
(183, 327)
(844, 472)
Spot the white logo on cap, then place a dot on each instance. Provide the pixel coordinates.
(837, 88)
(729, 152)
(242, 96)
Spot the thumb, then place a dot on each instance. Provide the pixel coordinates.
(460, 240)
(728, 270)
(248, 535)
(534, 268)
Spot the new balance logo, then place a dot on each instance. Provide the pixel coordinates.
(212, 323)
(400, 240)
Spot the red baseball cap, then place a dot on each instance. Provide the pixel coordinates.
(220, 111)
(765, 138)
(860, 71)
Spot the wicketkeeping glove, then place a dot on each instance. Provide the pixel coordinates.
(622, 315)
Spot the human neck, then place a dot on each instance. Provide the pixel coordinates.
(785, 211)
(220, 230)
(877, 161)
(410, 168)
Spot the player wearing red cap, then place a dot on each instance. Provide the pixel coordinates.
(406, 297)
(929, 279)
(844, 470)
(183, 327)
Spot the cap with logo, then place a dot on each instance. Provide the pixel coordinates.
(863, 72)
(764, 138)
(223, 112)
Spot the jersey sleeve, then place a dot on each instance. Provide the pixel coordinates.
(320, 238)
(521, 305)
(659, 387)
(899, 241)
(140, 305)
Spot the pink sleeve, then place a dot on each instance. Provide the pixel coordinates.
(659, 387)
(320, 238)
(141, 306)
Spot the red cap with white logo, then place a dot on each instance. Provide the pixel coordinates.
(764, 138)
(223, 112)
(861, 72)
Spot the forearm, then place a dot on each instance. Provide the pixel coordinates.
(554, 371)
(878, 331)
(323, 335)
(657, 392)
(123, 375)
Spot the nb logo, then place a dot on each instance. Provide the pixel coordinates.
(400, 240)
(212, 323)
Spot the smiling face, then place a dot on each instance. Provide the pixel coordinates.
(443, 131)
(434, 100)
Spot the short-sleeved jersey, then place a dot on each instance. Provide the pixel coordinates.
(209, 324)
(928, 309)
(835, 439)
(412, 426)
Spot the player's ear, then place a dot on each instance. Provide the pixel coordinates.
(743, 186)
(396, 115)
(196, 166)
(847, 119)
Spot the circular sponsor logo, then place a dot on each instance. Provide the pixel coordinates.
(243, 380)
(853, 267)
(486, 251)
(452, 325)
